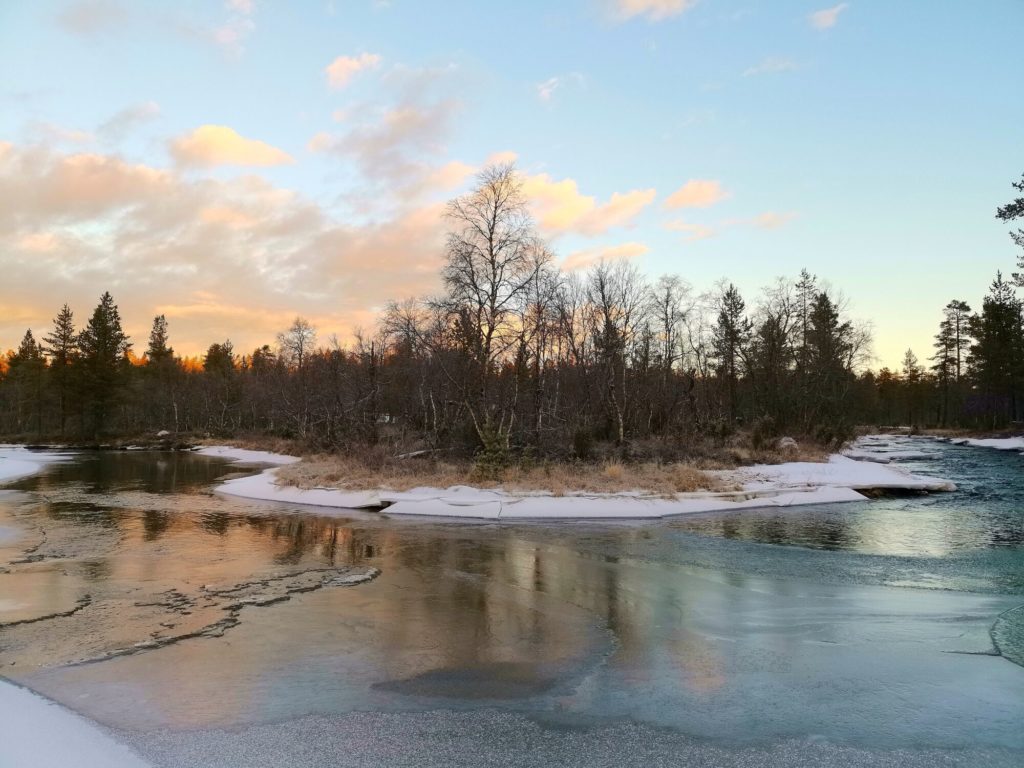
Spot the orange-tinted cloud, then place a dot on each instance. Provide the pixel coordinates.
(341, 71)
(588, 258)
(204, 249)
(210, 145)
(693, 232)
(560, 207)
(696, 193)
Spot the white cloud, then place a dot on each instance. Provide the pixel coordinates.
(546, 90)
(652, 10)
(827, 18)
(771, 65)
(115, 128)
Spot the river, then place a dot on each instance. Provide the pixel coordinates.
(210, 631)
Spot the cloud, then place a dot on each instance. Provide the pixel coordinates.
(560, 207)
(827, 18)
(773, 220)
(588, 258)
(344, 68)
(120, 124)
(693, 232)
(652, 10)
(40, 131)
(90, 17)
(696, 193)
(771, 65)
(210, 145)
(546, 90)
(235, 258)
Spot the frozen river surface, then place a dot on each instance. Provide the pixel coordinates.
(206, 631)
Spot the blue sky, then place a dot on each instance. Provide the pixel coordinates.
(870, 144)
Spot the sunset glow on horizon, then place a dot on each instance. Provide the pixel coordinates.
(232, 165)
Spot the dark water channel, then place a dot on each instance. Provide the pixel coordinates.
(133, 594)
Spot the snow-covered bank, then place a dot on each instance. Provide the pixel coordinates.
(782, 485)
(36, 733)
(17, 462)
(998, 443)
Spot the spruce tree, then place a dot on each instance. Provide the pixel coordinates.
(104, 350)
(62, 349)
(997, 355)
(27, 370)
(730, 338)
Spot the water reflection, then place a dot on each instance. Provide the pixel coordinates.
(650, 622)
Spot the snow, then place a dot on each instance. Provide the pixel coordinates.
(17, 462)
(605, 506)
(248, 457)
(782, 485)
(838, 472)
(40, 734)
(264, 487)
(999, 443)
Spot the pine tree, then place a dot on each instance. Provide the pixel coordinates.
(104, 361)
(27, 370)
(1010, 212)
(997, 355)
(157, 352)
(730, 338)
(161, 376)
(62, 349)
(913, 375)
(952, 343)
(829, 354)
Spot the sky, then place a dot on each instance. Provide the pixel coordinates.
(234, 164)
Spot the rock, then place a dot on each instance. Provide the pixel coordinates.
(163, 433)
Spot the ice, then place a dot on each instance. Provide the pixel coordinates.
(999, 443)
(17, 462)
(40, 734)
(247, 456)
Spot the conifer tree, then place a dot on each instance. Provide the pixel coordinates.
(997, 355)
(62, 349)
(104, 350)
(1010, 212)
(730, 338)
(27, 369)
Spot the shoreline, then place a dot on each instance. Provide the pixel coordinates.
(838, 480)
(860, 470)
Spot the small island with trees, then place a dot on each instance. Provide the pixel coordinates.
(522, 373)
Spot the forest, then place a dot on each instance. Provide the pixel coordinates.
(516, 358)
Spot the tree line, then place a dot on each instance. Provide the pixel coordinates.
(516, 357)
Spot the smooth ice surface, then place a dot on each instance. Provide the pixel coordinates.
(852, 634)
(36, 733)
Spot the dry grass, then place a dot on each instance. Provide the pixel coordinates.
(333, 471)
